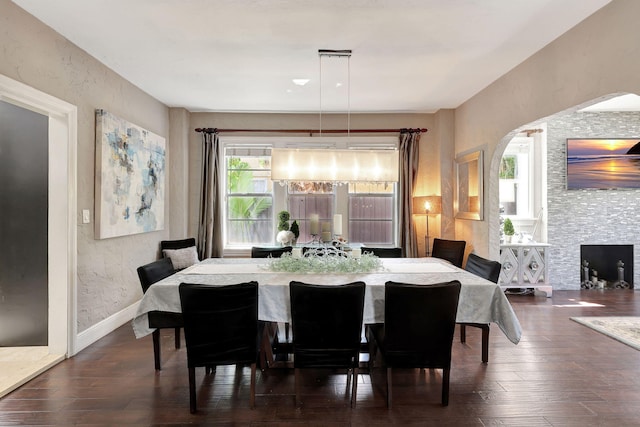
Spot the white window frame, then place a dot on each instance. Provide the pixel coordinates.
(279, 191)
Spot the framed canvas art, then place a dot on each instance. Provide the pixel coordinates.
(130, 178)
(603, 163)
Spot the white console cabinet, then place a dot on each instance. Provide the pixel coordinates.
(525, 265)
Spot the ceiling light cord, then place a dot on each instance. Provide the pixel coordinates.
(320, 96)
(348, 96)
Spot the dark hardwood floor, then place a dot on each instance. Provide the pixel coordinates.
(561, 374)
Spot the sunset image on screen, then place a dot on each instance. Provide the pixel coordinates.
(603, 163)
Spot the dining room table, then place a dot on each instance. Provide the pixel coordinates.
(481, 301)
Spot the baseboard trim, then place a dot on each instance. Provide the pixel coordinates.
(104, 327)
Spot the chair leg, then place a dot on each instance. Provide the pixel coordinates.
(252, 398)
(266, 351)
(286, 331)
(463, 333)
(192, 390)
(354, 391)
(297, 385)
(445, 386)
(177, 337)
(389, 375)
(485, 343)
(156, 348)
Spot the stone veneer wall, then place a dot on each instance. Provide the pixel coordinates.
(579, 217)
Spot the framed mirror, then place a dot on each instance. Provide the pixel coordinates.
(469, 186)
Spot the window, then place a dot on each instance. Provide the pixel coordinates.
(514, 179)
(249, 207)
(372, 213)
(252, 201)
(307, 198)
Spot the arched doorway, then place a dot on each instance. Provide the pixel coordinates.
(575, 217)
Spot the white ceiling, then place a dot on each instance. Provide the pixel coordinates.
(241, 55)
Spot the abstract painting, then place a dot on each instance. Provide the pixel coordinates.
(130, 178)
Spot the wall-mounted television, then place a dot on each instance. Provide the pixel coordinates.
(603, 163)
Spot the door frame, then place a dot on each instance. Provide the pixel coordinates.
(62, 203)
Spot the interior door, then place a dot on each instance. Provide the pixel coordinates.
(24, 159)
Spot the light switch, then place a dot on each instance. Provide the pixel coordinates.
(86, 216)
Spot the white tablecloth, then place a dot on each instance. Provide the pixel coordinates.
(481, 301)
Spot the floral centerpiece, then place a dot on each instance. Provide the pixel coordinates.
(367, 263)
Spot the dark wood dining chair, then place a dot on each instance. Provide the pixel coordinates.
(327, 329)
(419, 322)
(176, 249)
(148, 275)
(235, 307)
(269, 252)
(490, 270)
(450, 250)
(383, 252)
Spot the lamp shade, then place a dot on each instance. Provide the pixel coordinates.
(302, 164)
(430, 205)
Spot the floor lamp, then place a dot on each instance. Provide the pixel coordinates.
(427, 205)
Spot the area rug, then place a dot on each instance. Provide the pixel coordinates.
(624, 329)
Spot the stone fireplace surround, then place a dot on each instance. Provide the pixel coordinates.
(582, 217)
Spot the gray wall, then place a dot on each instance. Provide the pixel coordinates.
(595, 217)
(595, 59)
(37, 56)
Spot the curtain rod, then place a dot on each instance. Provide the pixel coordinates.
(312, 131)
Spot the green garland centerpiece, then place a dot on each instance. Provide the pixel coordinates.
(367, 263)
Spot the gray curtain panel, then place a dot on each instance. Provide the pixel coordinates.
(210, 223)
(409, 140)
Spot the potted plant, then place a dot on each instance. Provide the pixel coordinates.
(285, 236)
(508, 229)
(295, 229)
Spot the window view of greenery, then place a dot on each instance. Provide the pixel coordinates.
(249, 200)
(508, 167)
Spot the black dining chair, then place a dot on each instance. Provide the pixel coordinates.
(450, 250)
(183, 252)
(419, 322)
(383, 252)
(148, 275)
(490, 270)
(269, 252)
(235, 307)
(327, 329)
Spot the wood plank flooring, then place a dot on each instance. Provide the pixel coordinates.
(561, 374)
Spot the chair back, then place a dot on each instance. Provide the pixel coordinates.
(178, 244)
(419, 324)
(485, 268)
(383, 252)
(450, 250)
(154, 272)
(261, 252)
(220, 323)
(326, 324)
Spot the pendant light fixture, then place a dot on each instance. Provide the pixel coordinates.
(334, 165)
